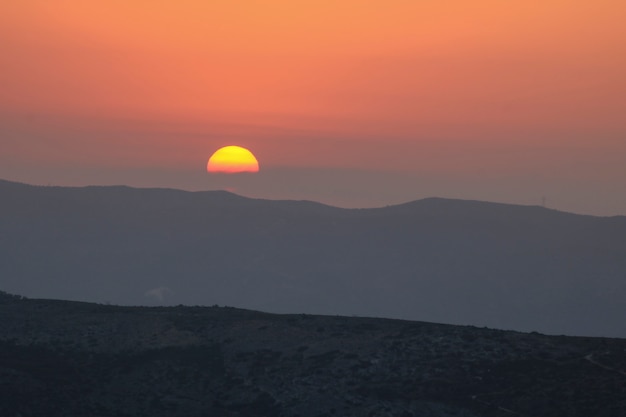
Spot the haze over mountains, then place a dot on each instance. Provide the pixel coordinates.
(449, 261)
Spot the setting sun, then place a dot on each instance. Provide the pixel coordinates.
(232, 159)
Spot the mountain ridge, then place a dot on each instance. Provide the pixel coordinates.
(460, 262)
(234, 196)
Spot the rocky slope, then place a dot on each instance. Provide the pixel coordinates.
(60, 358)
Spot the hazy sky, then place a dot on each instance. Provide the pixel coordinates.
(348, 102)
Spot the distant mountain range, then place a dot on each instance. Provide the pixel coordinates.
(60, 359)
(451, 261)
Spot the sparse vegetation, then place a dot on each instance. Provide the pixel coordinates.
(77, 359)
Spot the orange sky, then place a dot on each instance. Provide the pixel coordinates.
(512, 95)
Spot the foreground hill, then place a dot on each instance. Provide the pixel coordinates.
(451, 261)
(60, 358)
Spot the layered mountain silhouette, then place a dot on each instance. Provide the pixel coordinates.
(462, 262)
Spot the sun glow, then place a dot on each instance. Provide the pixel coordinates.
(232, 159)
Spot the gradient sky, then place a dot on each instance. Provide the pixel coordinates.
(349, 102)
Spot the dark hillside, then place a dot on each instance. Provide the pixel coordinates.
(62, 358)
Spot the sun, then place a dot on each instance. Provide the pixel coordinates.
(232, 159)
